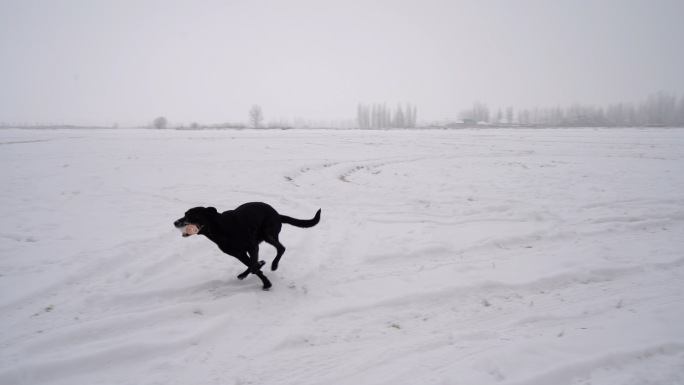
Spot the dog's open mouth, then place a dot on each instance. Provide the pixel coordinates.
(189, 230)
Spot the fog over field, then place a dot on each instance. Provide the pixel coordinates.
(312, 63)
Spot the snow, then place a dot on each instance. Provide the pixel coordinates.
(545, 256)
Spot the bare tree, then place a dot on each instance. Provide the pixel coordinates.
(413, 115)
(399, 117)
(160, 123)
(256, 116)
(363, 116)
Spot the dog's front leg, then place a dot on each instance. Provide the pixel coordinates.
(254, 267)
(244, 258)
(244, 274)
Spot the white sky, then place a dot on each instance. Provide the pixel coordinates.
(129, 61)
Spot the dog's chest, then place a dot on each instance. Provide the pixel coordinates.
(232, 240)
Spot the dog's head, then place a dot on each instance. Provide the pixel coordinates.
(197, 216)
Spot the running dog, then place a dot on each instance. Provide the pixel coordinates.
(239, 232)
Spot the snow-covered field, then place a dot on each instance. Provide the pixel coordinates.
(443, 257)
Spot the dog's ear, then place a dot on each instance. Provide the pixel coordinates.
(212, 211)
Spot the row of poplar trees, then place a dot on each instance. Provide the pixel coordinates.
(381, 116)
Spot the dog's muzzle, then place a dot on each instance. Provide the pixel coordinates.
(187, 229)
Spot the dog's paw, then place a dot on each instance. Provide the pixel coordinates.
(274, 266)
(267, 288)
(243, 275)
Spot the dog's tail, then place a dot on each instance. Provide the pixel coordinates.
(302, 222)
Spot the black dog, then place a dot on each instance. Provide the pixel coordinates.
(239, 232)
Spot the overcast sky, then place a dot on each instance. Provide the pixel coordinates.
(129, 61)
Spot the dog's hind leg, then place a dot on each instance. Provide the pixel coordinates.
(272, 239)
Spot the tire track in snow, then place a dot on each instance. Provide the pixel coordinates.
(417, 332)
(497, 288)
(622, 364)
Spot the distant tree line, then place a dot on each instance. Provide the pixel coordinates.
(380, 116)
(659, 109)
(479, 113)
